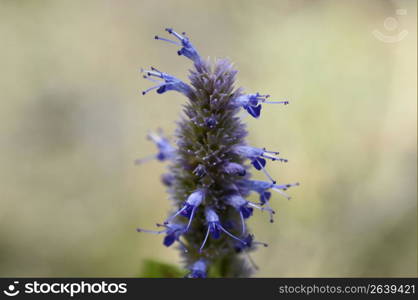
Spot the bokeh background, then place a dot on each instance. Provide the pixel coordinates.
(73, 121)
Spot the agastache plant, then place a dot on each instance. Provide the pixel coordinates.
(209, 175)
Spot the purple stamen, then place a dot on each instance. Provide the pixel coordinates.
(172, 231)
(167, 40)
(192, 202)
(187, 49)
(252, 103)
(268, 209)
(214, 226)
(170, 83)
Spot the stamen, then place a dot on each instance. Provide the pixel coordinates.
(268, 209)
(156, 70)
(167, 40)
(191, 218)
(262, 97)
(171, 31)
(182, 246)
(204, 241)
(152, 79)
(265, 204)
(285, 186)
(152, 88)
(276, 102)
(272, 157)
(265, 171)
(151, 231)
(252, 262)
(154, 73)
(272, 152)
(231, 235)
(146, 71)
(175, 215)
(268, 175)
(242, 223)
(145, 159)
(282, 193)
(261, 243)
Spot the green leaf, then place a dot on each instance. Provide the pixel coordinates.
(156, 269)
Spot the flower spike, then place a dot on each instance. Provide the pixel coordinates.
(209, 173)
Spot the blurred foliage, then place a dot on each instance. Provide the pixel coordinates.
(155, 269)
(74, 120)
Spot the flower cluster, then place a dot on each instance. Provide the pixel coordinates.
(209, 179)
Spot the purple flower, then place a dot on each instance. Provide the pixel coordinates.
(189, 208)
(165, 83)
(215, 228)
(187, 49)
(245, 208)
(249, 243)
(241, 205)
(167, 179)
(252, 103)
(258, 157)
(234, 169)
(198, 269)
(200, 170)
(262, 187)
(165, 150)
(173, 232)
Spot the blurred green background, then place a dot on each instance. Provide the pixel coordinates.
(73, 121)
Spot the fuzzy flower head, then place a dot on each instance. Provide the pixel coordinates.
(210, 166)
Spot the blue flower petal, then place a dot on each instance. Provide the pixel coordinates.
(246, 211)
(258, 163)
(169, 239)
(255, 111)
